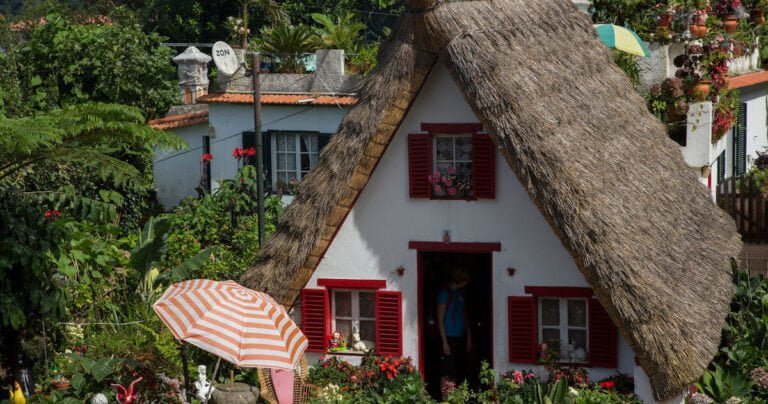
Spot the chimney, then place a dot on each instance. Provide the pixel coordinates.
(193, 74)
(329, 70)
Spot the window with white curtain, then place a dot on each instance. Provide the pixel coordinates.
(293, 156)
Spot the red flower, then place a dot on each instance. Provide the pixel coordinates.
(249, 152)
(207, 157)
(237, 153)
(607, 385)
(52, 214)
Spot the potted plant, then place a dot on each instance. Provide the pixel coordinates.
(667, 100)
(699, 27)
(726, 9)
(756, 10)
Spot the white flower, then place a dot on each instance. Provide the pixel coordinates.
(698, 398)
(573, 392)
(734, 400)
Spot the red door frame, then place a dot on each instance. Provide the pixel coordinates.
(467, 248)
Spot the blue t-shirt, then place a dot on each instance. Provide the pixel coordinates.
(454, 312)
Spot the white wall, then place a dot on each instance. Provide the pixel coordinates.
(176, 177)
(229, 120)
(177, 173)
(373, 240)
(757, 131)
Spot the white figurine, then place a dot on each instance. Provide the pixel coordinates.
(202, 385)
(357, 344)
(99, 399)
(569, 351)
(579, 355)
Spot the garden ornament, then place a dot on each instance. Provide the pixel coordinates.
(17, 396)
(99, 399)
(128, 396)
(202, 385)
(357, 344)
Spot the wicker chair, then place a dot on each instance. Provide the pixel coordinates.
(301, 389)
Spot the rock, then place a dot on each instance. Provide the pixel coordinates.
(237, 393)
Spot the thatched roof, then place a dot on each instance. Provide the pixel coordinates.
(600, 168)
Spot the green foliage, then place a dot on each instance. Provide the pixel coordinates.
(721, 385)
(66, 63)
(628, 63)
(226, 222)
(556, 393)
(342, 32)
(287, 43)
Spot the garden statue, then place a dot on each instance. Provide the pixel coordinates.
(99, 399)
(357, 344)
(127, 396)
(202, 385)
(17, 396)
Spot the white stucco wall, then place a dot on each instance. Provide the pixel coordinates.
(177, 177)
(373, 240)
(177, 173)
(757, 129)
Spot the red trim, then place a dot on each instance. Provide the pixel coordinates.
(438, 246)
(420, 300)
(548, 291)
(451, 128)
(522, 329)
(352, 283)
(389, 322)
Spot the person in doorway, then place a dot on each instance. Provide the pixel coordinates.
(454, 327)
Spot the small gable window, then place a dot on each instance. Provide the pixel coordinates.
(451, 161)
(452, 174)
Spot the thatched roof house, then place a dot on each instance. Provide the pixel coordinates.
(598, 166)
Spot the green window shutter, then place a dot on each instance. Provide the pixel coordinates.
(740, 141)
(322, 141)
(721, 167)
(249, 140)
(266, 144)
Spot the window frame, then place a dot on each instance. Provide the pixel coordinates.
(372, 286)
(297, 153)
(355, 318)
(433, 138)
(563, 325)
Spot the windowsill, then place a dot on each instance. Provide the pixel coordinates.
(346, 353)
(452, 198)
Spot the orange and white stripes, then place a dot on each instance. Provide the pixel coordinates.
(242, 326)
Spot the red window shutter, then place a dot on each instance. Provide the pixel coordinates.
(315, 318)
(484, 167)
(523, 334)
(603, 338)
(389, 323)
(419, 164)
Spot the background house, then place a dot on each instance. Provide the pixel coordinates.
(299, 112)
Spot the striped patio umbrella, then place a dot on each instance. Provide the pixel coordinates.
(239, 325)
(622, 39)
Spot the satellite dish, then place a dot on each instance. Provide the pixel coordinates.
(225, 58)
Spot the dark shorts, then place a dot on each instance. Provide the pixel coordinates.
(454, 366)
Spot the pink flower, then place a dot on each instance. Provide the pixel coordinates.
(451, 191)
(517, 376)
(448, 182)
(451, 170)
(438, 188)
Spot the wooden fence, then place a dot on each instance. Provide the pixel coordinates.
(744, 201)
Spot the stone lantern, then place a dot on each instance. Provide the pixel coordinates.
(193, 74)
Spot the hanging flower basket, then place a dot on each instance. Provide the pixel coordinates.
(730, 23)
(757, 16)
(700, 90)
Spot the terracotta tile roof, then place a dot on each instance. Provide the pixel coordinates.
(180, 121)
(279, 99)
(749, 79)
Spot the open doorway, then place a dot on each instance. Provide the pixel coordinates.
(435, 273)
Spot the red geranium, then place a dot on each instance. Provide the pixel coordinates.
(239, 153)
(52, 214)
(207, 157)
(607, 385)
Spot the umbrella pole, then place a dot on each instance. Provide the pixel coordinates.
(213, 381)
(185, 366)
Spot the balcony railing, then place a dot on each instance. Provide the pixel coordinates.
(743, 199)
